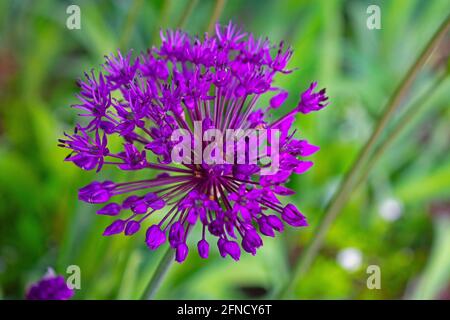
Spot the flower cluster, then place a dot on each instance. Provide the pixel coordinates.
(50, 287)
(217, 80)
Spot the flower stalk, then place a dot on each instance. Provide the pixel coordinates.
(158, 276)
(218, 8)
(402, 124)
(351, 179)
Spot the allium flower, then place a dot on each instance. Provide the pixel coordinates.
(217, 81)
(50, 287)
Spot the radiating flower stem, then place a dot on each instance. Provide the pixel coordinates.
(159, 275)
(351, 179)
(220, 4)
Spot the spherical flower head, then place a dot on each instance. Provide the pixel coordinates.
(173, 108)
(50, 287)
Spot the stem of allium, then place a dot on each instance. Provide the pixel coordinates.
(159, 275)
(187, 13)
(220, 4)
(402, 124)
(351, 179)
(129, 23)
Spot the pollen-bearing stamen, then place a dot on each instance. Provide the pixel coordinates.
(216, 81)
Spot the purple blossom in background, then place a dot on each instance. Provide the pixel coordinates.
(216, 80)
(50, 287)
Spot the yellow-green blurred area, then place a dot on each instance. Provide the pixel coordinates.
(397, 219)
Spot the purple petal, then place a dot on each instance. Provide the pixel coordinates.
(154, 237)
(132, 227)
(279, 99)
(111, 209)
(116, 227)
(203, 248)
(181, 252)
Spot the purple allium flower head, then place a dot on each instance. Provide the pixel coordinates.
(217, 81)
(50, 287)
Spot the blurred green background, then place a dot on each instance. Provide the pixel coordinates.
(399, 219)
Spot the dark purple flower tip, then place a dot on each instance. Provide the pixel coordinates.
(162, 175)
(256, 118)
(182, 251)
(283, 191)
(139, 207)
(216, 227)
(114, 228)
(292, 216)
(130, 201)
(221, 246)
(50, 287)
(301, 148)
(96, 192)
(229, 248)
(307, 149)
(84, 161)
(281, 176)
(232, 248)
(251, 241)
(303, 166)
(154, 237)
(153, 201)
(248, 247)
(120, 70)
(176, 234)
(111, 209)
(312, 101)
(132, 227)
(265, 228)
(203, 249)
(279, 99)
(133, 158)
(193, 215)
(275, 222)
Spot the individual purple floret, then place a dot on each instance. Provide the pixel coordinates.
(50, 287)
(133, 108)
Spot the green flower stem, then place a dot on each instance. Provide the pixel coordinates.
(187, 13)
(402, 124)
(129, 23)
(159, 275)
(162, 23)
(218, 8)
(351, 179)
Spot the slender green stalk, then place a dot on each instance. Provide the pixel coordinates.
(187, 13)
(162, 23)
(130, 22)
(159, 275)
(402, 124)
(218, 8)
(350, 180)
